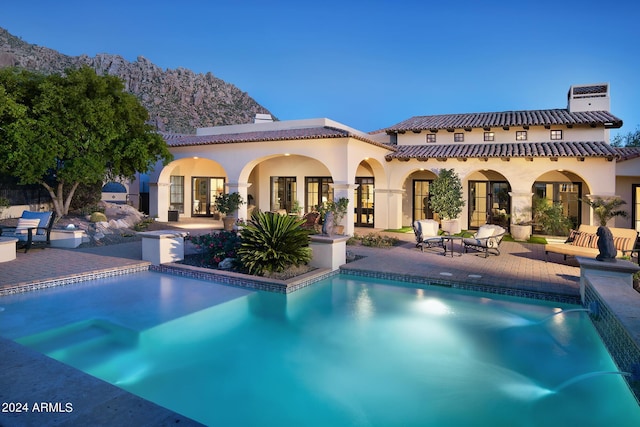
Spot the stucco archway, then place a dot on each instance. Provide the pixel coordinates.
(175, 191)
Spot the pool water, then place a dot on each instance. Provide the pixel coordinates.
(342, 352)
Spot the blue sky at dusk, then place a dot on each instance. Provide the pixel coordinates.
(367, 64)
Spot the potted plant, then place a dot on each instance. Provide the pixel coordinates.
(339, 209)
(227, 204)
(606, 208)
(521, 227)
(446, 199)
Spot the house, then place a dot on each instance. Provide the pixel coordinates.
(502, 158)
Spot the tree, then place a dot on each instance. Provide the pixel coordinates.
(632, 139)
(61, 131)
(446, 194)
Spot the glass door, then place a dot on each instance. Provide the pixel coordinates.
(488, 203)
(421, 204)
(205, 189)
(363, 211)
(283, 193)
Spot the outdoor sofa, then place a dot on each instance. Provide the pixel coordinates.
(584, 242)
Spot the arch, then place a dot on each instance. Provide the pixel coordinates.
(182, 197)
(256, 178)
(567, 188)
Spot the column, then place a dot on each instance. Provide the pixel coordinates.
(346, 190)
(388, 208)
(159, 200)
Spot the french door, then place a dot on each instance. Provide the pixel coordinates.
(489, 203)
(421, 204)
(205, 189)
(363, 196)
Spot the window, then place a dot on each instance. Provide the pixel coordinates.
(458, 137)
(521, 135)
(556, 135)
(176, 193)
(489, 136)
(318, 191)
(431, 137)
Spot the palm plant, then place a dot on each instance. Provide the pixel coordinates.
(272, 243)
(606, 208)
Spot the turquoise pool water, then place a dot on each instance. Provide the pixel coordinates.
(342, 352)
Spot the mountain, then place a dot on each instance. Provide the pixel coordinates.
(178, 100)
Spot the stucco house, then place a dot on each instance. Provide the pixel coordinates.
(502, 158)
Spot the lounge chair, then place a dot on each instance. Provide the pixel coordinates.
(426, 231)
(487, 240)
(33, 228)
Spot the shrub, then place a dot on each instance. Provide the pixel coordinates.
(373, 240)
(217, 246)
(98, 217)
(549, 217)
(273, 243)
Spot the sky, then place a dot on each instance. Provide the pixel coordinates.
(366, 64)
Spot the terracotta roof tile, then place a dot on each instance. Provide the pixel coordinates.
(523, 149)
(174, 140)
(506, 118)
(627, 153)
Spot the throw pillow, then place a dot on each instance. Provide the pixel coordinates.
(572, 236)
(24, 224)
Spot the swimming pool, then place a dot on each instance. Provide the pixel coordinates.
(345, 351)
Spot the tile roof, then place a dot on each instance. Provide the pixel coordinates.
(627, 153)
(506, 118)
(176, 140)
(525, 149)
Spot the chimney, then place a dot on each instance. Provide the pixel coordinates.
(593, 97)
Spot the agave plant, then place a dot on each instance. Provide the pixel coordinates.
(606, 208)
(272, 242)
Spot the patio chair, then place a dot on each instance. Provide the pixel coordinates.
(33, 228)
(487, 240)
(426, 231)
(311, 220)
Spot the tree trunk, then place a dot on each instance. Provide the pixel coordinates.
(60, 205)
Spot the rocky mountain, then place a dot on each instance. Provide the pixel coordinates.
(178, 100)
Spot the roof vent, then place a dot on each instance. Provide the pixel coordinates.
(263, 118)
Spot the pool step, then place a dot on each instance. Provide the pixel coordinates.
(80, 334)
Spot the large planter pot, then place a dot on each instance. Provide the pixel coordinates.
(228, 222)
(450, 226)
(520, 232)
